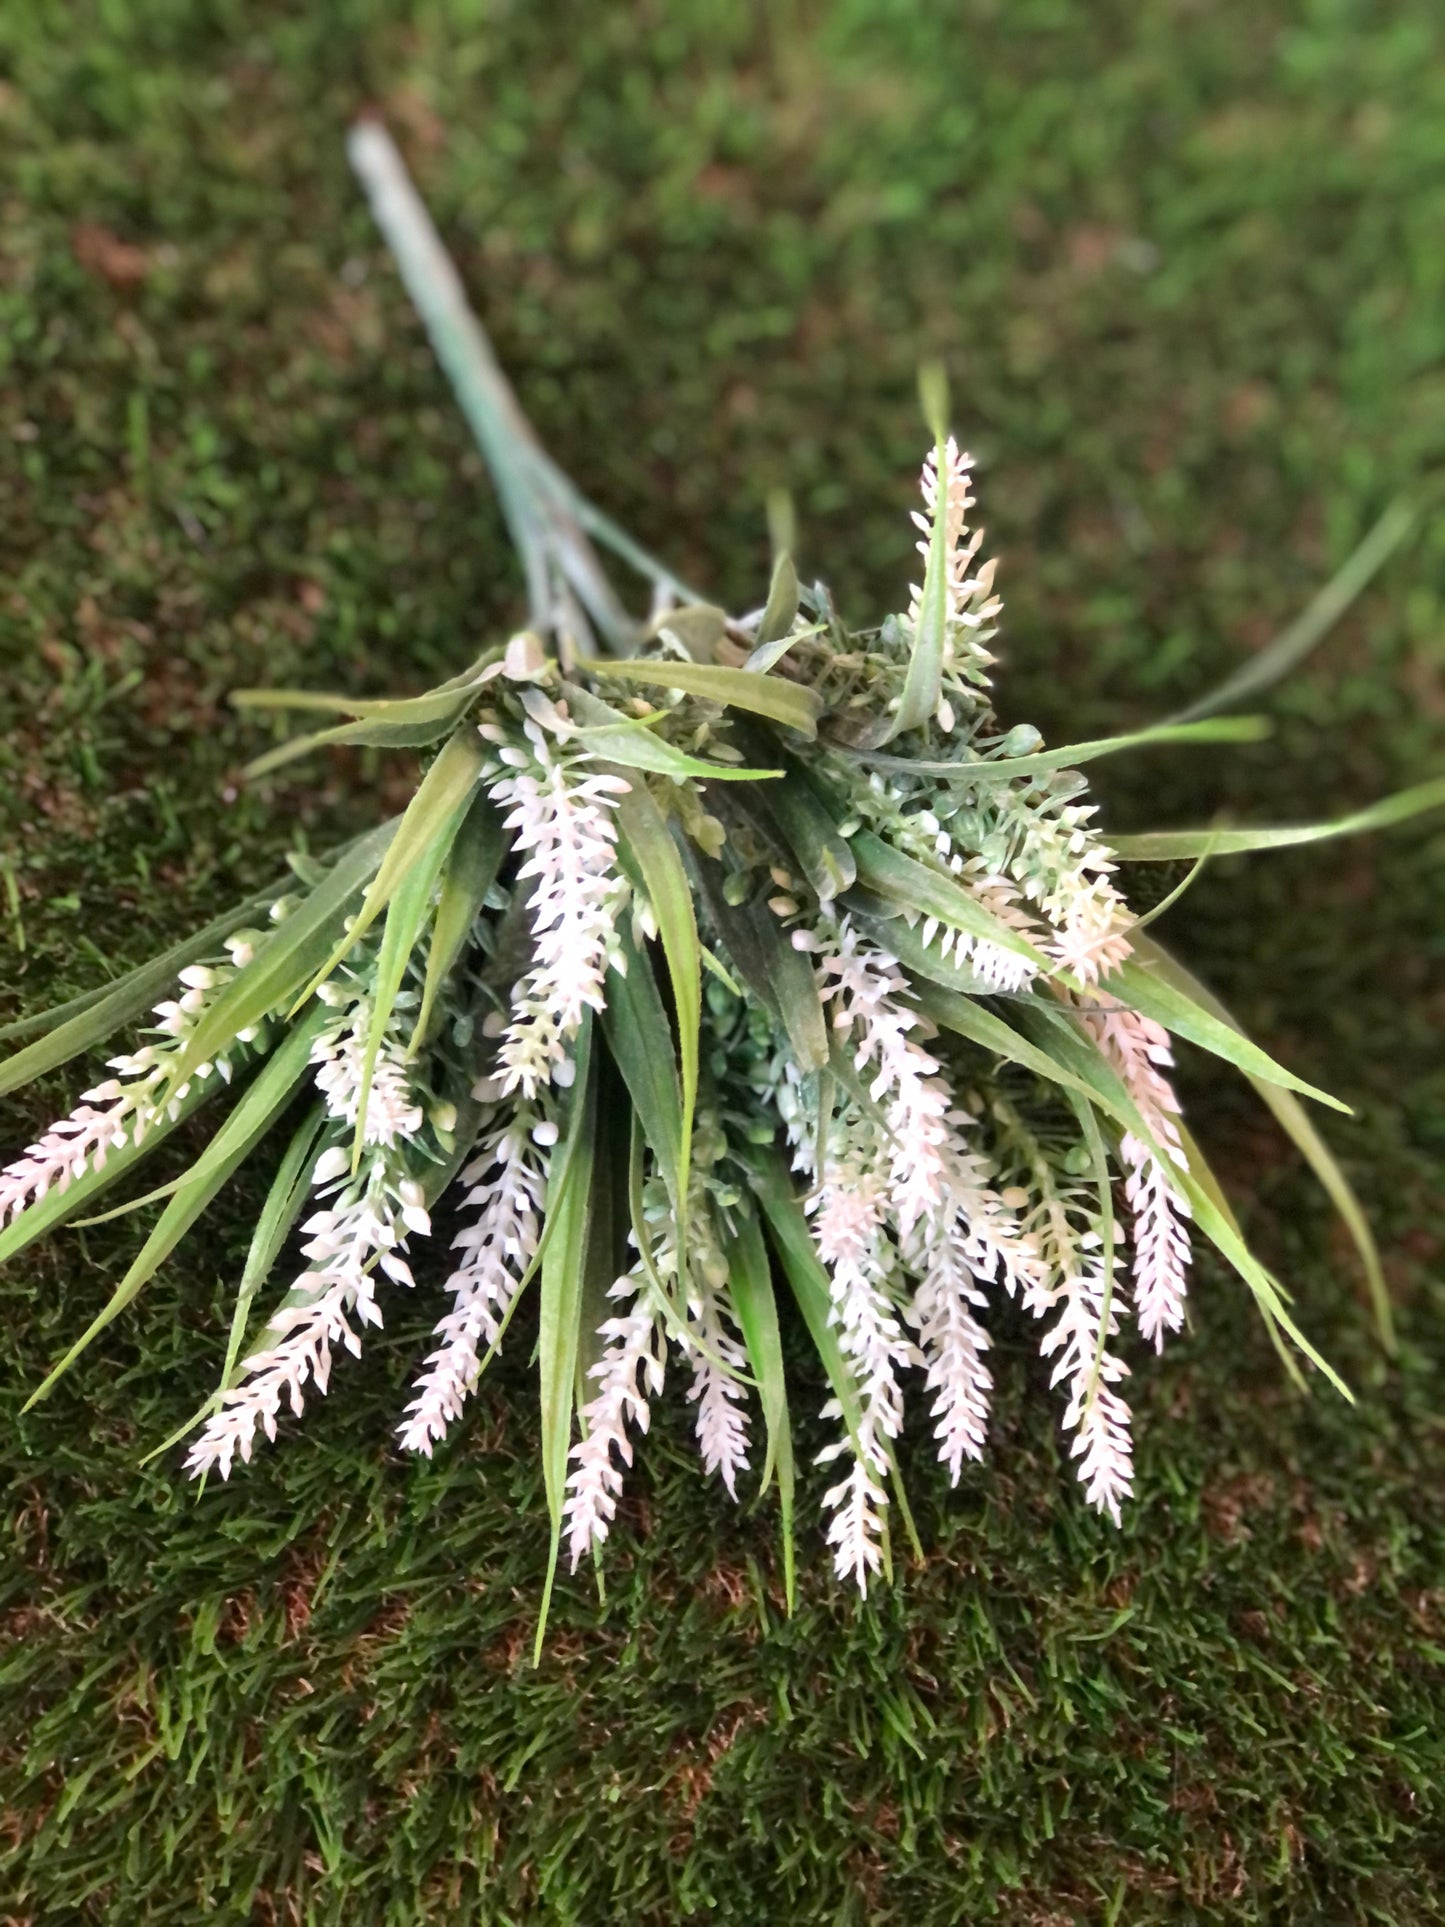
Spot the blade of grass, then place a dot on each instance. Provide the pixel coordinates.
(1164, 846)
(751, 1284)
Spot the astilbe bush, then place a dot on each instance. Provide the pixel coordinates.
(716, 958)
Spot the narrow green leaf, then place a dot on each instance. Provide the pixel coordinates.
(285, 1200)
(781, 701)
(924, 683)
(606, 733)
(444, 705)
(969, 1019)
(285, 959)
(645, 843)
(362, 735)
(606, 1257)
(698, 626)
(640, 1039)
(751, 1284)
(1310, 628)
(793, 1243)
(440, 798)
(793, 816)
(568, 1213)
(1179, 1011)
(406, 916)
(259, 1107)
(782, 610)
(915, 886)
(1003, 769)
(780, 977)
(471, 870)
(1294, 1120)
(1164, 846)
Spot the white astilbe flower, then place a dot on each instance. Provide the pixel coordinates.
(562, 825)
(1063, 868)
(1138, 1048)
(628, 1374)
(123, 1109)
(720, 1398)
(953, 1344)
(972, 605)
(848, 1210)
(365, 1229)
(392, 1112)
(862, 986)
(507, 1183)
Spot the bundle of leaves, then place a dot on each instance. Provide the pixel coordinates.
(717, 959)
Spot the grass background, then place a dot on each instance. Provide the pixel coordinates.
(1183, 262)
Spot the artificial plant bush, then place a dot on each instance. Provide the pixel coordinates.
(715, 957)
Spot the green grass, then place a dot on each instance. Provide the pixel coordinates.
(1184, 266)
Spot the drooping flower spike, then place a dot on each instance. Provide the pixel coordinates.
(723, 970)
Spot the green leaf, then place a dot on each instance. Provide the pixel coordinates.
(432, 813)
(1181, 1012)
(698, 626)
(286, 959)
(924, 683)
(1062, 1038)
(751, 1284)
(782, 610)
(1295, 1121)
(780, 977)
(969, 1019)
(645, 845)
(781, 701)
(640, 1039)
(569, 1211)
(1310, 628)
(471, 870)
(798, 1255)
(1003, 769)
(363, 735)
(444, 705)
(606, 733)
(1164, 846)
(284, 1202)
(259, 1107)
(89, 1019)
(795, 818)
(915, 886)
(406, 917)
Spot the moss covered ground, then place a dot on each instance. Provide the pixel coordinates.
(1184, 264)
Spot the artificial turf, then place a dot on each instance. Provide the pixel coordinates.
(1184, 265)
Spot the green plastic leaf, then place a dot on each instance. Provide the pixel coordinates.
(1164, 846)
(259, 1107)
(780, 977)
(1178, 1010)
(914, 886)
(782, 609)
(1295, 1121)
(287, 958)
(795, 818)
(698, 626)
(1311, 627)
(406, 916)
(781, 701)
(568, 1212)
(803, 1269)
(640, 1039)
(606, 733)
(751, 1284)
(646, 846)
(1003, 769)
(471, 870)
(363, 735)
(924, 683)
(444, 705)
(441, 797)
